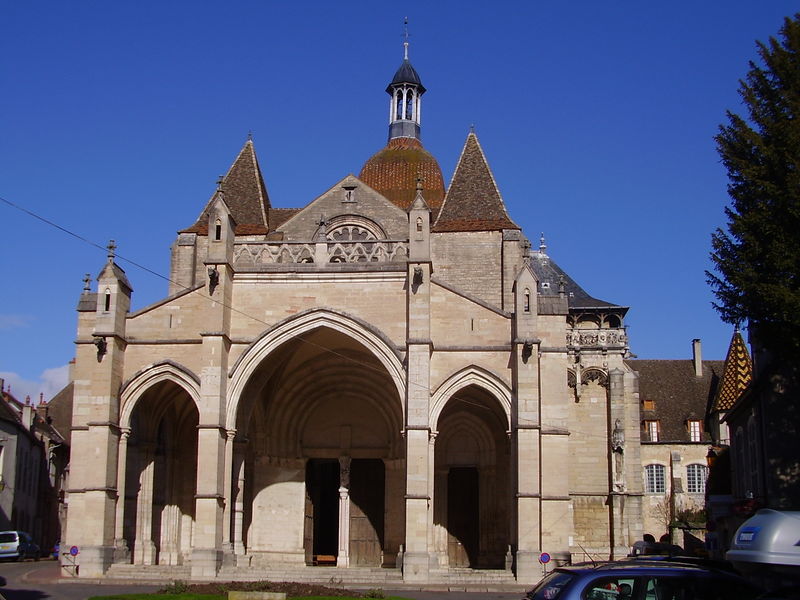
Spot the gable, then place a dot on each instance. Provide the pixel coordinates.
(348, 203)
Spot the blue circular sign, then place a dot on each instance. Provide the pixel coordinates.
(544, 558)
(73, 551)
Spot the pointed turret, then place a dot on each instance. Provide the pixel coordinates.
(245, 194)
(736, 376)
(394, 170)
(473, 202)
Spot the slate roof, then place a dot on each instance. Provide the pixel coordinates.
(677, 393)
(406, 74)
(393, 172)
(245, 194)
(473, 202)
(547, 271)
(737, 375)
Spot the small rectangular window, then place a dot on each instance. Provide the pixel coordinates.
(695, 431)
(648, 404)
(696, 476)
(651, 427)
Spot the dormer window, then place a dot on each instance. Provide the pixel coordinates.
(419, 224)
(546, 286)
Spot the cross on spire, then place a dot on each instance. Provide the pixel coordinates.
(405, 39)
(87, 280)
(111, 250)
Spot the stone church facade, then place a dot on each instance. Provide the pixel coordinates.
(387, 377)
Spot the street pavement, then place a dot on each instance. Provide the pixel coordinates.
(30, 580)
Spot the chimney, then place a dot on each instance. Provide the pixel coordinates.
(697, 358)
(27, 413)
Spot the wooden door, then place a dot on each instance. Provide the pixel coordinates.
(367, 480)
(463, 525)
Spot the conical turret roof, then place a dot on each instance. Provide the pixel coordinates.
(245, 194)
(406, 73)
(473, 202)
(736, 376)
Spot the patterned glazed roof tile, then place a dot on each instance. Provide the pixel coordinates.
(245, 194)
(393, 172)
(737, 374)
(473, 202)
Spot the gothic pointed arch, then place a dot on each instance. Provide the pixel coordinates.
(472, 375)
(160, 372)
(376, 343)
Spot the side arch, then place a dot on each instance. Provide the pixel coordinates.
(136, 386)
(378, 344)
(472, 375)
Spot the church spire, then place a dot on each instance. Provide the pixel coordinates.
(406, 90)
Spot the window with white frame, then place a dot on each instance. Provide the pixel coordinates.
(655, 479)
(696, 476)
(695, 430)
(651, 427)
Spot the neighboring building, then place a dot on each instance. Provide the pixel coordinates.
(764, 425)
(386, 377)
(674, 397)
(724, 513)
(32, 456)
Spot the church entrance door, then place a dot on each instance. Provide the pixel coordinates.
(463, 518)
(322, 489)
(367, 477)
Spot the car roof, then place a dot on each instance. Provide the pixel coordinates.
(639, 566)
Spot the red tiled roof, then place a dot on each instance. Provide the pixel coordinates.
(473, 202)
(393, 171)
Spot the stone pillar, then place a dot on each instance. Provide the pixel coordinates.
(343, 556)
(122, 552)
(144, 550)
(228, 490)
(419, 511)
(238, 500)
(619, 540)
(526, 430)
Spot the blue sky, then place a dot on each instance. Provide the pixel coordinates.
(597, 119)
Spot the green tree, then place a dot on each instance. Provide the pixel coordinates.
(757, 261)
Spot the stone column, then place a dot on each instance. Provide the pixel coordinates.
(144, 550)
(228, 490)
(619, 540)
(122, 553)
(343, 557)
(238, 500)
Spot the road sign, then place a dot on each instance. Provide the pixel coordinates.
(73, 551)
(544, 558)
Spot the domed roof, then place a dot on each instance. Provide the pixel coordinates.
(406, 74)
(393, 172)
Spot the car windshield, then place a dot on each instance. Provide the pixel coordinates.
(8, 537)
(551, 586)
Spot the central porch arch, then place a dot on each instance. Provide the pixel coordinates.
(318, 455)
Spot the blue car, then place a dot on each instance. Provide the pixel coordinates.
(644, 580)
(17, 545)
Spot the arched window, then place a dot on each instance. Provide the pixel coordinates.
(526, 306)
(218, 230)
(108, 300)
(409, 105)
(419, 224)
(696, 476)
(655, 479)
